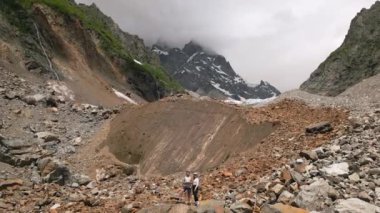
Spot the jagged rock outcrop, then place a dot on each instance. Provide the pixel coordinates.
(356, 59)
(207, 73)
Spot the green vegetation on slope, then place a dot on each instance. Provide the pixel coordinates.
(110, 43)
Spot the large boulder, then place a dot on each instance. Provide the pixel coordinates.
(355, 205)
(314, 196)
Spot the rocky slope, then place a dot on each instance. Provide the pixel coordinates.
(356, 59)
(197, 134)
(209, 74)
(81, 46)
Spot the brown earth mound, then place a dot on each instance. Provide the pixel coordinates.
(171, 136)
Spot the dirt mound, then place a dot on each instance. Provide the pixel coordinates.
(171, 136)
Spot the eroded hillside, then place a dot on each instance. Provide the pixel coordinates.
(176, 135)
(80, 45)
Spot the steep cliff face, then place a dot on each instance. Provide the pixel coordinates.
(209, 74)
(80, 45)
(356, 59)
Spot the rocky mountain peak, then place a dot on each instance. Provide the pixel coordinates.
(192, 48)
(206, 73)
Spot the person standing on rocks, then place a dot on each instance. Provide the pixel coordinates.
(187, 187)
(196, 188)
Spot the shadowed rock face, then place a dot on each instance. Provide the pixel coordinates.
(168, 137)
(356, 59)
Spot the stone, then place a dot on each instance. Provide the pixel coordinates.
(334, 148)
(277, 189)
(54, 171)
(33, 99)
(250, 202)
(54, 208)
(266, 208)
(15, 143)
(322, 127)
(281, 208)
(47, 136)
(333, 194)
(364, 196)
(227, 174)
(52, 102)
(127, 209)
(10, 95)
(309, 155)
(75, 185)
(129, 170)
(76, 141)
(355, 205)
(297, 177)
(241, 208)
(285, 197)
(375, 171)
(262, 187)
(336, 169)
(10, 183)
(101, 174)
(240, 172)
(313, 196)
(81, 179)
(354, 177)
(91, 185)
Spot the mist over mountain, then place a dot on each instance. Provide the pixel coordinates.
(261, 39)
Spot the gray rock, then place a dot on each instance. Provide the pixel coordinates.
(313, 196)
(81, 179)
(33, 99)
(336, 169)
(285, 197)
(10, 95)
(321, 127)
(354, 205)
(364, 196)
(16, 143)
(54, 171)
(47, 136)
(262, 187)
(241, 208)
(375, 171)
(277, 189)
(297, 177)
(377, 192)
(309, 155)
(354, 177)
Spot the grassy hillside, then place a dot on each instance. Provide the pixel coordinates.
(17, 13)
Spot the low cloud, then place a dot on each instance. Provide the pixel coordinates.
(278, 41)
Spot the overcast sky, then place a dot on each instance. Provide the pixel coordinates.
(280, 41)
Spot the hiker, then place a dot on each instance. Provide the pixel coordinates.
(187, 186)
(196, 188)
